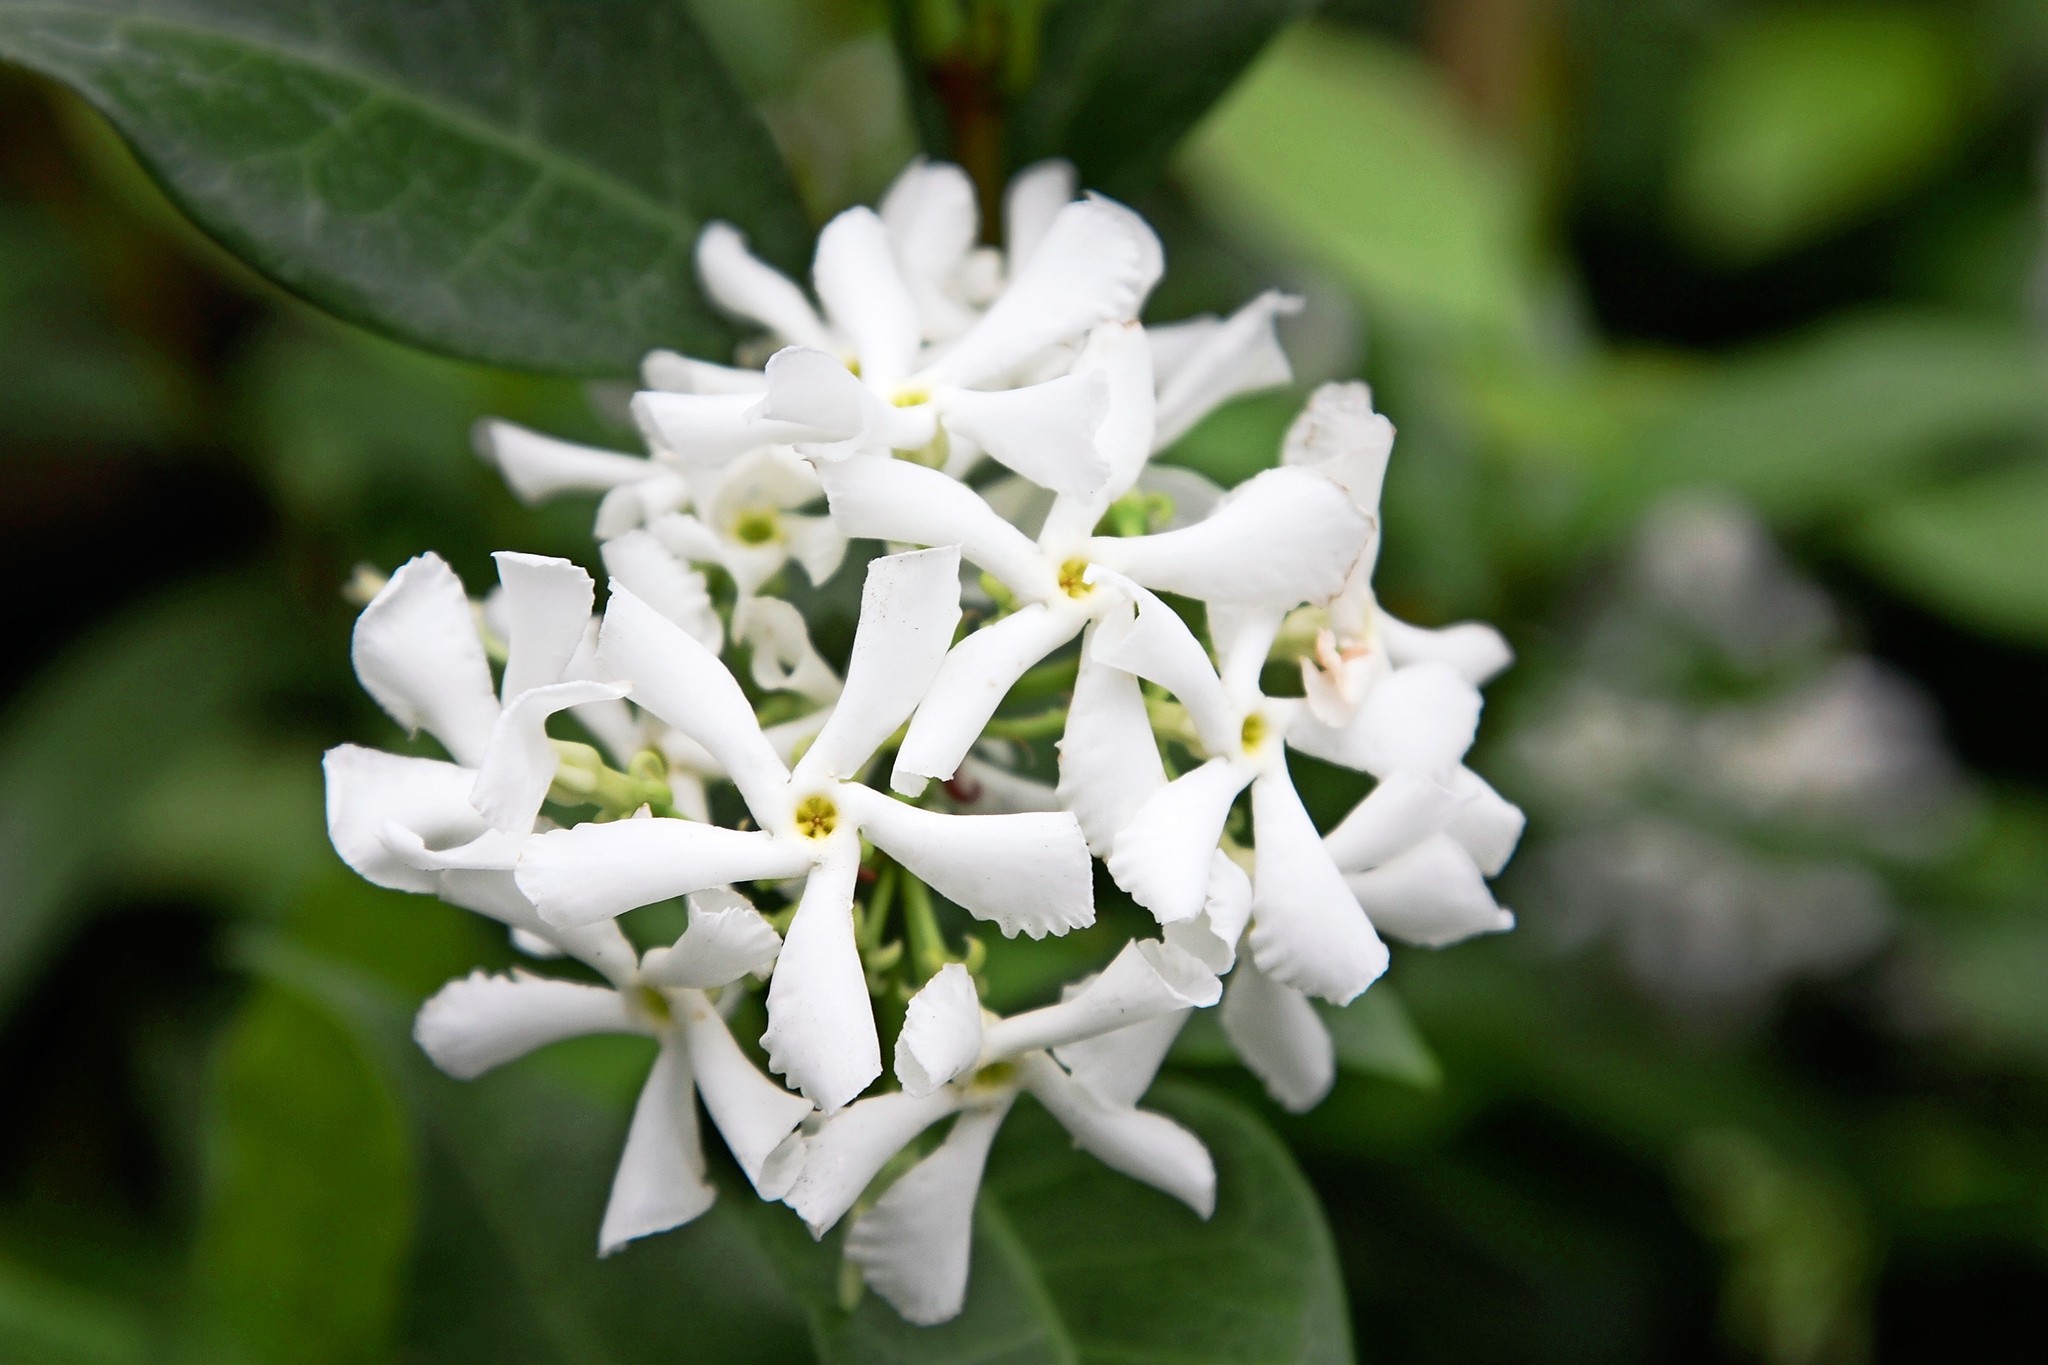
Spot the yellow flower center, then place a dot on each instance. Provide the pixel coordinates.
(1074, 578)
(911, 397)
(995, 1075)
(655, 1005)
(816, 817)
(1253, 734)
(757, 527)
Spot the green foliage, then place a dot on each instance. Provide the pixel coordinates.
(1119, 82)
(1972, 549)
(1803, 120)
(520, 183)
(307, 1227)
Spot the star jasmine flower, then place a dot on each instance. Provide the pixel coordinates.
(1284, 537)
(479, 1022)
(912, 1243)
(1024, 872)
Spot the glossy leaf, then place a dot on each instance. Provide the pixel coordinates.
(518, 182)
(1973, 550)
(1121, 81)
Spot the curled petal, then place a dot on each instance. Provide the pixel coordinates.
(747, 287)
(598, 871)
(1420, 719)
(851, 1147)
(752, 1113)
(966, 689)
(821, 1028)
(495, 894)
(368, 789)
(709, 428)
(1238, 356)
(538, 467)
(1213, 935)
(865, 295)
(1307, 931)
(1045, 432)
(1033, 200)
(520, 764)
(941, 1037)
(1155, 644)
(640, 563)
(1276, 1031)
(727, 939)
(1027, 873)
(885, 499)
(1109, 761)
(817, 543)
(813, 397)
(1476, 650)
(660, 1182)
(783, 659)
(1431, 895)
(909, 608)
(1147, 979)
(1340, 436)
(1118, 1067)
(912, 1246)
(1488, 825)
(478, 1022)
(546, 604)
(1402, 811)
(417, 652)
(1145, 1146)
(1162, 856)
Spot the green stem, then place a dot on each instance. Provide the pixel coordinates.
(1042, 725)
(921, 924)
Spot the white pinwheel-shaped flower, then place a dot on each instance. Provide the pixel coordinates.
(1087, 1060)
(1024, 872)
(1286, 536)
(481, 1021)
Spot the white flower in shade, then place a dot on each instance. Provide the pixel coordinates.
(912, 1243)
(868, 383)
(480, 1021)
(1024, 872)
(1201, 363)
(1284, 537)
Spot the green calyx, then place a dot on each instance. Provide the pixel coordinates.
(583, 778)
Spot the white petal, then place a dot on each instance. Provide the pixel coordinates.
(782, 658)
(1145, 1146)
(1242, 637)
(683, 374)
(640, 563)
(368, 789)
(1147, 979)
(909, 606)
(598, 870)
(1284, 537)
(1118, 1067)
(1340, 436)
(479, 1021)
(1154, 643)
(1402, 811)
(1162, 856)
(1213, 935)
(1488, 825)
(1306, 929)
(493, 850)
(751, 1112)
(495, 894)
(660, 1182)
(1026, 873)
(821, 1028)
(851, 1148)
(1240, 356)
(1421, 718)
(727, 939)
(1096, 263)
(709, 428)
(895, 500)
(1276, 1032)
(520, 764)
(538, 467)
(1045, 432)
(912, 1246)
(748, 287)
(546, 603)
(1109, 761)
(1031, 202)
(968, 687)
(813, 398)
(417, 653)
(1431, 895)
(932, 221)
(864, 294)
(817, 543)
(1476, 650)
(941, 1037)
(681, 682)
(984, 787)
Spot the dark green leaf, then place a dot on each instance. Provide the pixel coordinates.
(53, 1323)
(518, 182)
(1120, 81)
(303, 1241)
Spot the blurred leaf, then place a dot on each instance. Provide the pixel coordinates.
(1074, 1262)
(1120, 81)
(1841, 417)
(1374, 1036)
(1351, 151)
(521, 183)
(1802, 120)
(1977, 550)
(52, 1323)
(303, 1241)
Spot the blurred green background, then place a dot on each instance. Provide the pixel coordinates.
(1717, 337)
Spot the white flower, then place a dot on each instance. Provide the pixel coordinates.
(479, 1022)
(1284, 537)
(912, 1244)
(1027, 872)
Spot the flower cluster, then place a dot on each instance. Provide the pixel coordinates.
(990, 416)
